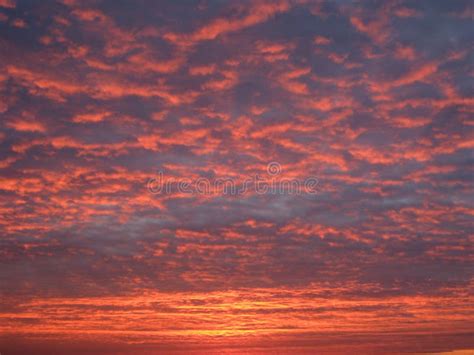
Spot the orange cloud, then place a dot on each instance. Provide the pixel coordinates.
(259, 12)
(27, 126)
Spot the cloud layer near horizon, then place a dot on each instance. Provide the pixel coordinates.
(372, 98)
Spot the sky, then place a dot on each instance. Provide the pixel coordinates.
(103, 102)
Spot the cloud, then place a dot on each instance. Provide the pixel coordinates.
(373, 100)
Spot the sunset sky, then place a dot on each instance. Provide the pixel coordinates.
(373, 100)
